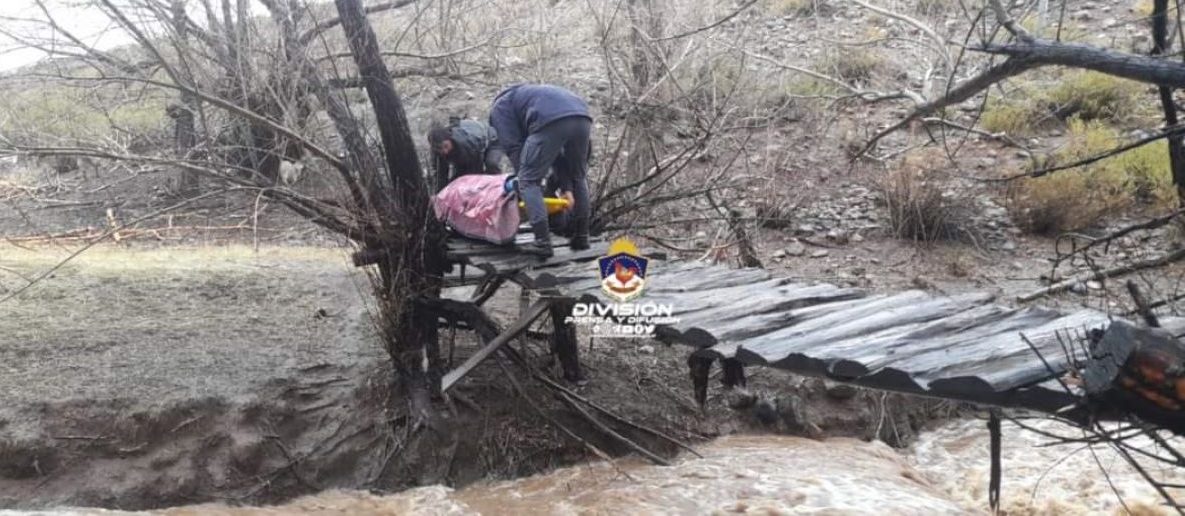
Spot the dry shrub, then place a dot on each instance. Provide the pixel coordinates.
(1070, 200)
(853, 65)
(920, 204)
(1085, 95)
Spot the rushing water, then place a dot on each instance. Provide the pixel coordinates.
(946, 472)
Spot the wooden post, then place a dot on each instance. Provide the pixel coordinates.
(563, 341)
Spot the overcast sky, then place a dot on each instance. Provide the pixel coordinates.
(79, 17)
(88, 23)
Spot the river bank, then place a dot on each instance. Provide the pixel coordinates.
(151, 377)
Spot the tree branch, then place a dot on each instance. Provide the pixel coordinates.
(320, 28)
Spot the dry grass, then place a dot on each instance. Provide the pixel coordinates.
(1070, 200)
(921, 205)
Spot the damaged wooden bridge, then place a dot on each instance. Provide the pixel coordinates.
(962, 347)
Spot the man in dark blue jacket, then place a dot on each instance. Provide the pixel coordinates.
(540, 126)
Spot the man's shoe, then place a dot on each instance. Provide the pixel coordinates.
(542, 244)
(542, 249)
(578, 242)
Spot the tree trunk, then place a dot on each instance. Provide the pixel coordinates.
(640, 125)
(413, 239)
(184, 116)
(1176, 148)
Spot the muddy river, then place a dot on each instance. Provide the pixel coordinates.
(945, 472)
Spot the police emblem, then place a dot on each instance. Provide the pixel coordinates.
(623, 271)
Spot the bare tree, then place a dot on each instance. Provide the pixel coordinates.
(244, 106)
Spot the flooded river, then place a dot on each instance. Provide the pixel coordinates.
(946, 472)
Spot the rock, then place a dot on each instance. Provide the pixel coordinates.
(646, 349)
(857, 238)
(780, 253)
(1008, 246)
(790, 410)
(765, 411)
(1094, 285)
(841, 391)
(838, 235)
(1078, 288)
(820, 253)
(795, 249)
(739, 399)
(806, 229)
(1017, 265)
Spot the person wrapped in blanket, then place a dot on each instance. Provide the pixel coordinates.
(464, 147)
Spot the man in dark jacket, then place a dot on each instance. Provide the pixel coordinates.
(464, 147)
(541, 126)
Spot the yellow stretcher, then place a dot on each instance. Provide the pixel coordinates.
(554, 205)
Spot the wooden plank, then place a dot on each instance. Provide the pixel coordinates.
(518, 326)
(1005, 361)
(945, 333)
(919, 355)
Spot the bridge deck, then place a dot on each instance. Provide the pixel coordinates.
(961, 347)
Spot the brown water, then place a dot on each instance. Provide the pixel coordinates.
(946, 472)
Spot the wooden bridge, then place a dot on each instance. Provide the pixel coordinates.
(962, 347)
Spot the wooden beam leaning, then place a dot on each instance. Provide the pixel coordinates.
(518, 326)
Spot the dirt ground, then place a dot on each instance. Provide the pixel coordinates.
(145, 378)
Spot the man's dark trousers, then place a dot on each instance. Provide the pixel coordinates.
(563, 143)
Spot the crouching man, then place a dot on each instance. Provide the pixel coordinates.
(464, 147)
(541, 126)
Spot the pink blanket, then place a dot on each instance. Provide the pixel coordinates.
(475, 206)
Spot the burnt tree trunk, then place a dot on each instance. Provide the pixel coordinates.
(410, 236)
(1176, 147)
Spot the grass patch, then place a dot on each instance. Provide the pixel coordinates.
(1069, 33)
(1085, 95)
(795, 7)
(933, 6)
(1071, 200)
(804, 86)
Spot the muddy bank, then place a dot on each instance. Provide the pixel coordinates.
(138, 379)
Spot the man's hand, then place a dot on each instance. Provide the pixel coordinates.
(571, 200)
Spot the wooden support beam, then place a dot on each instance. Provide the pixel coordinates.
(563, 341)
(519, 326)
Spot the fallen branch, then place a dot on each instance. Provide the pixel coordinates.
(1148, 224)
(535, 406)
(1167, 133)
(612, 415)
(1103, 274)
(610, 432)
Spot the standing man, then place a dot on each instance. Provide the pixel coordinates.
(464, 147)
(541, 126)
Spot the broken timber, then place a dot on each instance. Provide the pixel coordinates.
(962, 347)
